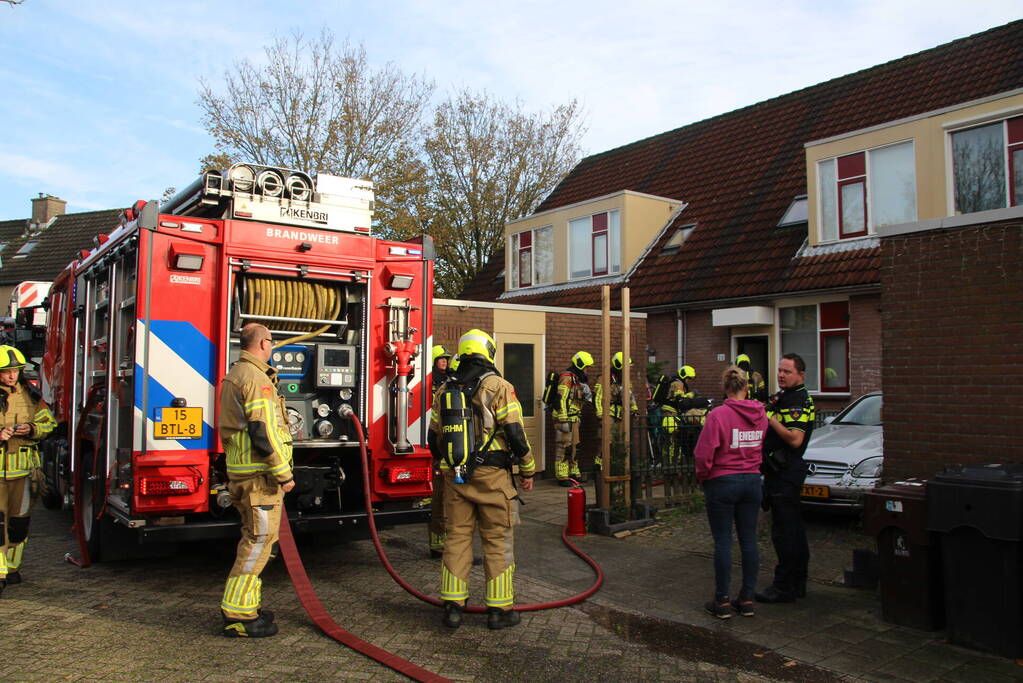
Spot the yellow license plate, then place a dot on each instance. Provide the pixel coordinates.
(810, 491)
(178, 423)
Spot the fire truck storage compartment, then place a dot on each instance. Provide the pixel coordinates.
(318, 374)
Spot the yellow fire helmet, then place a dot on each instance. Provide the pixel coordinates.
(478, 342)
(686, 372)
(11, 358)
(742, 358)
(440, 352)
(582, 360)
(616, 361)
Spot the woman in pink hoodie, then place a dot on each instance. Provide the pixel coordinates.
(728, 456)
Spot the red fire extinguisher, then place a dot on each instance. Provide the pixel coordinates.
(576, 510)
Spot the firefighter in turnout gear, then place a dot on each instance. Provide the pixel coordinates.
(757, 386)
(486, 497)
(441, 368)
(257, 446)
(573, 393)
(614, 410)
(682, 407)
(26, 420)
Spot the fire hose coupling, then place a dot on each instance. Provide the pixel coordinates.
(345, 411)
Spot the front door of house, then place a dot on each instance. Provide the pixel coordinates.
(756, 348)
(520, 361)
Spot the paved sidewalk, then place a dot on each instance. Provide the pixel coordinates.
(836, 628)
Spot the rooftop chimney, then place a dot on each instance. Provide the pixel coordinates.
(45, 207)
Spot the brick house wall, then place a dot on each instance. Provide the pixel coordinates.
(864, 344)
(661, 334)
(952, 337)
(700, 347)
(451, 322)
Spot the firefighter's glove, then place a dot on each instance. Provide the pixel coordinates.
(565, 427)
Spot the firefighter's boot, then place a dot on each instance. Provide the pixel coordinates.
(502, 618)
(3, 583)
(13, 577)
(261, 627)
(452, 614)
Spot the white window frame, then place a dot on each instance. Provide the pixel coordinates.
(513, 251)
(869, 190)
(609, 240)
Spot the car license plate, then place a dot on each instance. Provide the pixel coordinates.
(810, 491)
(178, 423)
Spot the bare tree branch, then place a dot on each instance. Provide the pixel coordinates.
(478, 164)
(491, 163)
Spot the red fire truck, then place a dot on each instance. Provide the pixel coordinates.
(142, 328)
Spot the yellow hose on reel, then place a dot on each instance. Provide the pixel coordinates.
(292, 299)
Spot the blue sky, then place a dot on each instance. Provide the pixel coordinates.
(98, 102)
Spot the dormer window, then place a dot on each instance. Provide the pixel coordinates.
(863, 191)
(595, 245)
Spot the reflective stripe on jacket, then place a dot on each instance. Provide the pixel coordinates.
(571, 397)
(253, 422)
(20, 454)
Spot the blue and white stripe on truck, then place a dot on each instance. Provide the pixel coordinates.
(180, 364)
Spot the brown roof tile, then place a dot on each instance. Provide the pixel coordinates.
(57, 244)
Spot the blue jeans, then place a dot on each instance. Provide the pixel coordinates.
(734, 497)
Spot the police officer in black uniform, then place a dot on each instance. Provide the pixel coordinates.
(790, 414)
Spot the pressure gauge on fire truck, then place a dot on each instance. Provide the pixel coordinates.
(345, 394)
(300, 357)
(277, 357)
(323, 410)
(289, 357)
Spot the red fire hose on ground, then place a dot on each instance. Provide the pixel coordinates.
(314, 608)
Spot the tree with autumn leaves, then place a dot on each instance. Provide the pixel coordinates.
(457, 167)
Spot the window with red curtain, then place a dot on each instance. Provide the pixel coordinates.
(599, 243)
(852, 195)
(1014, 133)
(834, 346)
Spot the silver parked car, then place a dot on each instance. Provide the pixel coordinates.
(844, 457)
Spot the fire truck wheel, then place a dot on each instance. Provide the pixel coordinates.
(92, 505)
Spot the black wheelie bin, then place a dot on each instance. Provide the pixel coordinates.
(909, 556)
(978, 511)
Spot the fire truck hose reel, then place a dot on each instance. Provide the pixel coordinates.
(292, 299)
